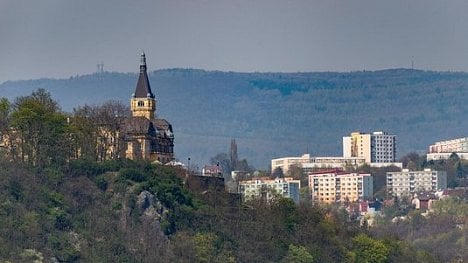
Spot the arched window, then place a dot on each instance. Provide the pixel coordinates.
(141, 103)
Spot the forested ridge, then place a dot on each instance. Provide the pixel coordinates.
(281, 114)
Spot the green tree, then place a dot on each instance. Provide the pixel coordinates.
(41, 129)
(368, 250)
(5, 136)
(460, 170)
(204, 247)
(298, 254)
(5, 107)
(277, 173)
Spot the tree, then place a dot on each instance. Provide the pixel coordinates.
(96, 130)
(204, 247)
(454, 157)
(222, 159)
(368, 250)
(277, 173)
(413, 161)
(298, 254)
(296, 172)
(41, 128)
(5, 108)
(83, 139)
(233, 157)
(459, 170)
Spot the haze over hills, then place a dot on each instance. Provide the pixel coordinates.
(281, 114)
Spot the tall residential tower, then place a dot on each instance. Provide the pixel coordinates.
(375, 147)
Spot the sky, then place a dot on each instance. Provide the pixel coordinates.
(63, 38)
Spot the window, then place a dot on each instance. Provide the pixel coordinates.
(141, 103)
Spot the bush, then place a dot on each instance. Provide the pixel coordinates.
(132, 174)
(101, 182)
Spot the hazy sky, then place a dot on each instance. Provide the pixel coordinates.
(61, 38)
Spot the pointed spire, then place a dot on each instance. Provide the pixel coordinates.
(143, 88)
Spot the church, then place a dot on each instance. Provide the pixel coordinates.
(145, 135)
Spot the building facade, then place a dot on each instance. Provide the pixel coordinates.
(270, 188)
(285, 163)
(375, 147)
(406, 183)
(446, 156)
(450, 146)
(212, 170)
(308, 163)
(443, 150)
(338, 186)
(146, 136)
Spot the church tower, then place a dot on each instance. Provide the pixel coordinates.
(143, 102)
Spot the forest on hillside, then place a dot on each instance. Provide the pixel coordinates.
(273, 115)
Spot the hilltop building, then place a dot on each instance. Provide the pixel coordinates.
(406, 183)
(146, 136)
(340, 186)
(444, 149)
(270, 188)
(141, 136)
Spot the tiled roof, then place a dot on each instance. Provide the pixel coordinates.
(139, 125)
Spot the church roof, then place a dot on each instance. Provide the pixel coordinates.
(143, 87)
(162, 124)
(144, 126)
(164, 127)
(138, 125)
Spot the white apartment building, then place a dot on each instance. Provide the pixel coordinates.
(450, 146)
(332, 163)
(443, 150)
(339, 186)
(445, 156)
(286, 162)
(375, 147)
(270, 188)
(308, 163)
(406, 183)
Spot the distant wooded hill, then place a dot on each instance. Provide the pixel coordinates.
(281, 114)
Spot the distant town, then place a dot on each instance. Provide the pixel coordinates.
(348, 180)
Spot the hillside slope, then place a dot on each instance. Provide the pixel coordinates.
(281, 114)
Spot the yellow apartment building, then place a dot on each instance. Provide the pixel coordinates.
(336, 186)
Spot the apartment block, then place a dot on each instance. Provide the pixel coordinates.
(375, 147)
(285, 163)
(406, 183)
(270, 188)
(308, 163)
(443, 150)
(445, 156)
(339, 186)
(450, 146)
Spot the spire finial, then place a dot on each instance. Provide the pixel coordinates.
(143, 58)
(142, 61)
